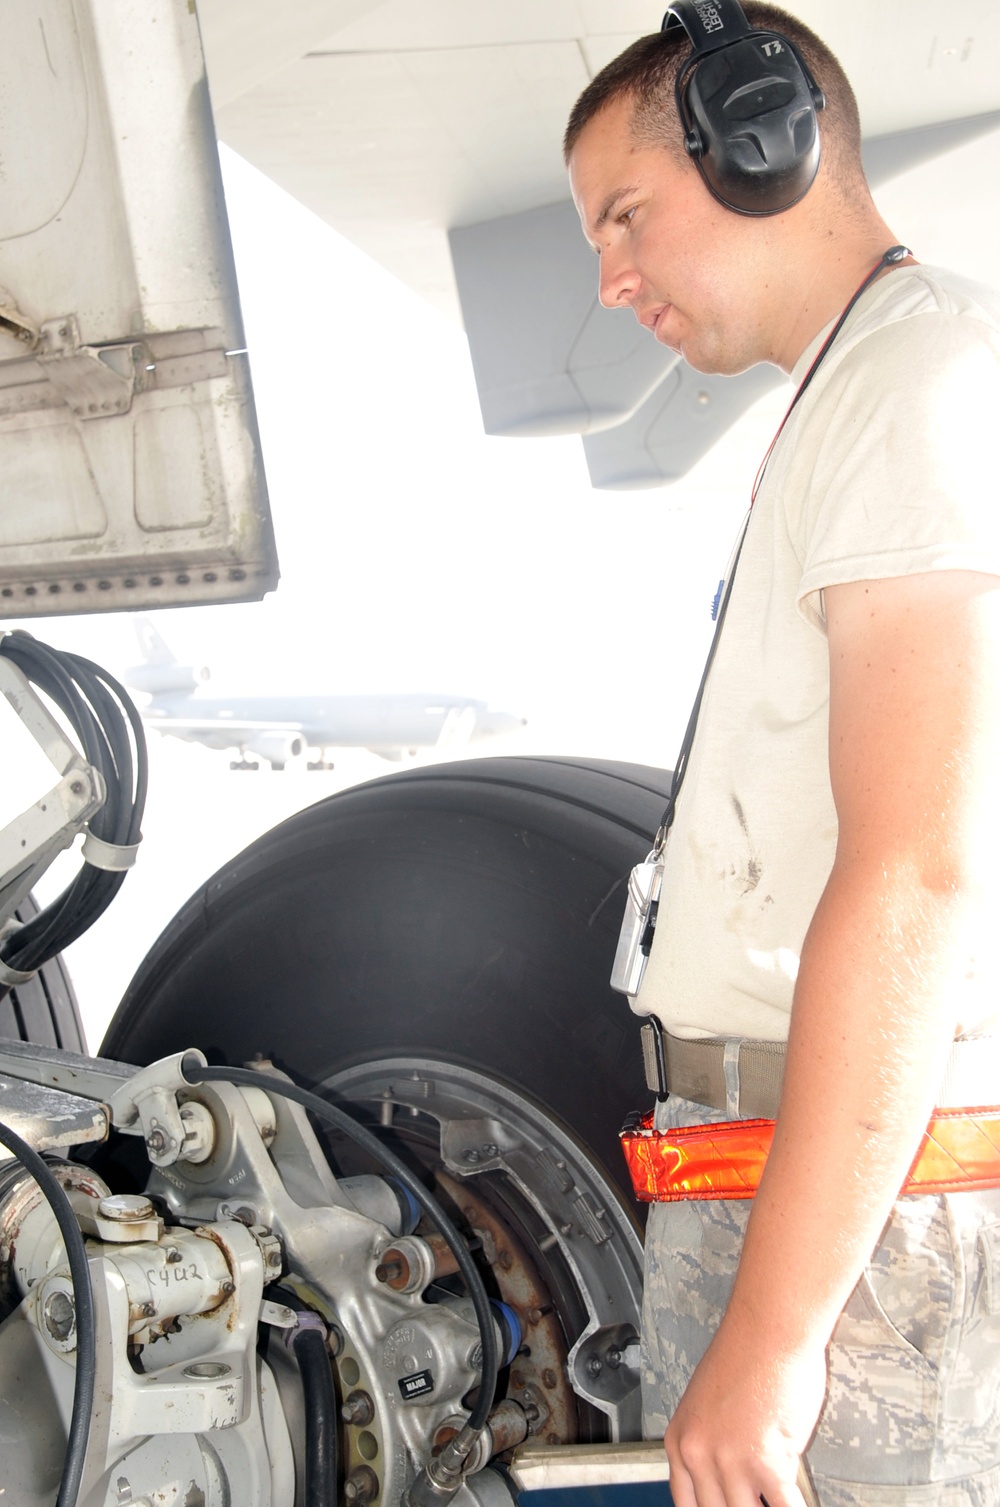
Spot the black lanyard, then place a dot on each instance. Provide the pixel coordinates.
(890, 258)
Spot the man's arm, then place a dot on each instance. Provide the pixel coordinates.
(890, 960)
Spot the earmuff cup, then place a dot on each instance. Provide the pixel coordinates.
(748, 107)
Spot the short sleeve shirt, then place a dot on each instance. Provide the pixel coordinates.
(887, 467)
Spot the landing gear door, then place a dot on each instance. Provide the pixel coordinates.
(130, 466)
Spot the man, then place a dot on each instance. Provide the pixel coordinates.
(831, 877)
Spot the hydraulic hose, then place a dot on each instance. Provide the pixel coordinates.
(109, 730)
(195, 1072)
(309, 1345)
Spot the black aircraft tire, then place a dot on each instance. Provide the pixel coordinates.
(463, 912)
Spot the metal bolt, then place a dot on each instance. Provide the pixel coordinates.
(148, 1310)
(386, 1271)
(489, 1150)
(59, 1312)
(594, 1365)
(471, 1155)
(156, 1141)
(358, 1409)
(361, 1486)
(242, 1213)
(613, 1358)
(173, 1256)
(125, 1207)
(77, 787)
(228, 1288)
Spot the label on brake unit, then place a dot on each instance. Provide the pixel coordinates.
(417, 1385)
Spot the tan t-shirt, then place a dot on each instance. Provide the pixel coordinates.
(887, 467)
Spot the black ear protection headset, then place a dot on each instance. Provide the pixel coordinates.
(748, 106)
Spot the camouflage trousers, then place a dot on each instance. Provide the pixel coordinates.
(912, 1409)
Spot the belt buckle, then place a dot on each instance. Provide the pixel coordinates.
(654, 1058)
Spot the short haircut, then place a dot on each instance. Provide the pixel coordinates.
(647, 73)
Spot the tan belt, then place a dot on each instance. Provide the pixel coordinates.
(742, 1079)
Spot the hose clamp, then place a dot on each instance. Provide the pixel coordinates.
(114, 857)
(11, 977)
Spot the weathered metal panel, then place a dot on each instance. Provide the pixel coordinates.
(130, 466)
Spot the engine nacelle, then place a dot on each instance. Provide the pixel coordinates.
(279, 748)
(166, 680)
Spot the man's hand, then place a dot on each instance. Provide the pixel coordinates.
(743, 1423)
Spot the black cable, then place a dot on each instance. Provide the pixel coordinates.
(108, 727)
(321, 1417)
(195, 1072)
(83, 1299)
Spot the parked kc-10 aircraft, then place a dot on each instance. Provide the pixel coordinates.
(280, 728)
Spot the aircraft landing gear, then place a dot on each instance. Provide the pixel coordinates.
(434, 947)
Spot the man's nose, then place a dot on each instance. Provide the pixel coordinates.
(618, 281)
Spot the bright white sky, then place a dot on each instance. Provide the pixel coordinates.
(418, 554)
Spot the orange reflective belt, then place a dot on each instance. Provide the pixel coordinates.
(960, 1150)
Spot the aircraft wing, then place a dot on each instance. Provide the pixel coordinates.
(428, 132)
(278, 742)
(237, 730)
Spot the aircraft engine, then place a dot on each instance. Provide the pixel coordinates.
(166, 679)
(277, 749)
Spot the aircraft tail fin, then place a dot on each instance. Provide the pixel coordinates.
(152, 645)
(160, 674)
(457, 728)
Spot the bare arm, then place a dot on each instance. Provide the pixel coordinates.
(889, 961)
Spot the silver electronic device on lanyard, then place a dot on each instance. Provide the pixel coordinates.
(638, 924)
